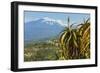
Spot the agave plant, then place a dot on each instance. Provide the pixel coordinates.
(84, 40)
(75, 43)
(68, 42)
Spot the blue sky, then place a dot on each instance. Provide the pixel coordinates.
(74, 17)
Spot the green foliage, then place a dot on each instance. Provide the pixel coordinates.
(40, 52)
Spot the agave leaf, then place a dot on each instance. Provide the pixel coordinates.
(75, 43)
(74, 35)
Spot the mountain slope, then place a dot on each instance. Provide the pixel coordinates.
(41, 29)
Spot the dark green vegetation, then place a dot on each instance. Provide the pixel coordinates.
(72, 43)
(41, 51)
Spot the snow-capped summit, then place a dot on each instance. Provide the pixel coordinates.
(52, 21)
